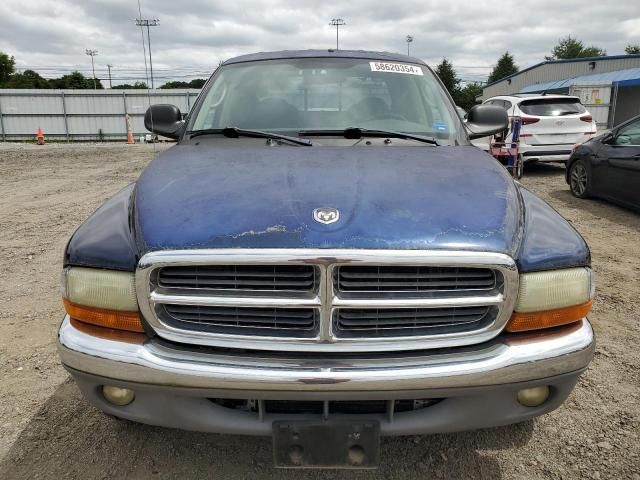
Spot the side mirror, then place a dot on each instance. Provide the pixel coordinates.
(486, 120)
(164, 120)
(608, 138)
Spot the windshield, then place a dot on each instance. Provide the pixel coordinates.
(291, 95)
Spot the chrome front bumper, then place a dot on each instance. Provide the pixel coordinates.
(507, 359)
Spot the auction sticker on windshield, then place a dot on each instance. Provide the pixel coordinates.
(395, 68)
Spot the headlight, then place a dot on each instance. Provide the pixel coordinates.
(100, 288)
(552, 298)
(105, 298)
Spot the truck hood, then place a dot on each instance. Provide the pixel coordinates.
(415, 197)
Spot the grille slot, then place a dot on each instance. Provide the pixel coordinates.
(360, 407)
(362, 322)
(407, 279)
(290, 322)
(240, 277)
(306, 407)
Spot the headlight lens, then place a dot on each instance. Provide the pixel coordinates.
(553, 289)
(107, 289)
(105, 298)
(552, 298)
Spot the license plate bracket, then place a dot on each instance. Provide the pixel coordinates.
(326, 444)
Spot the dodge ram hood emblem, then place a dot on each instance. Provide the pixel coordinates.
(326, 215)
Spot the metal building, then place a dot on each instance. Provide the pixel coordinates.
(608, 86)
(81, 114)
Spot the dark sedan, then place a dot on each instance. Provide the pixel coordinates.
(608, 166)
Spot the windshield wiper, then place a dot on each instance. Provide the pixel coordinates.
(235, 132)
(357, 133)
(568, 112)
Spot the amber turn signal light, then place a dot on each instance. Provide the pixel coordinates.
(109, 333)
(523, 322)
(128, 321)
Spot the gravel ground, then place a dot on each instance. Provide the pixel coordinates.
(48, 431)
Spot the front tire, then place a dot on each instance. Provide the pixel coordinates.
(580, 179)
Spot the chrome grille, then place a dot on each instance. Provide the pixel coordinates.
(392, 278)
(326, 300)
(240, 277)
(398, 322)
(246, 321)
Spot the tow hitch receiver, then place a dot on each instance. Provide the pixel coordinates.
(328, 444)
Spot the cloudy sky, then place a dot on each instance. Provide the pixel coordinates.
(51, 35)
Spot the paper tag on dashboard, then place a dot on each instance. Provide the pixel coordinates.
(396, 68)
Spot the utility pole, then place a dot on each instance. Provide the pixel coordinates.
(409, 40)
(143, 22)
(337, 22)
(109, 68)
(92, 53)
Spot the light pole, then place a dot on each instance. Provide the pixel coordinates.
(409, 40)
(109, 68)
(337, 22)
(143, 22)
(92, 53)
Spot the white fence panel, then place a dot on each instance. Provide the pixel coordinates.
(28, 104)
(82, 114)
(19, 126)
(77, 104)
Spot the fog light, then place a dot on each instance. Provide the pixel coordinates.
(532, 397)
(118, 396)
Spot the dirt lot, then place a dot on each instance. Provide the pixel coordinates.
(48, 431)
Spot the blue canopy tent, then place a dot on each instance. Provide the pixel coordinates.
(620, 78)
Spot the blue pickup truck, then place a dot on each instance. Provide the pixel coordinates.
(324, 258)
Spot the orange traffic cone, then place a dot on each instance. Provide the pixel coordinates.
(40, 137)
(130, 139)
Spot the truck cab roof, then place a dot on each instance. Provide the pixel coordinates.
(330, 53)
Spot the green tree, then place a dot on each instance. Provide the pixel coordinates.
(175, 84)
(569, 47)
(448, 76)
(27, 79)
(632, 49)
(467, 95)
(197, 83)
(74, 80)
(137, 86)
(7, 67)
(506, 66)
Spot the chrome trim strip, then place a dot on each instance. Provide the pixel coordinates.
(507, 359)
(231, 301)
(418, 302)
(326, 299)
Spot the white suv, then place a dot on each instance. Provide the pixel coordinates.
(551, 125)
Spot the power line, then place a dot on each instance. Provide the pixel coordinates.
(126, 67)
(119, 77)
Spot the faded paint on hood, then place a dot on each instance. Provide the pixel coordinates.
(416, 197)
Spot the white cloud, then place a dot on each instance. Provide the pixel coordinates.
(194, 35)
